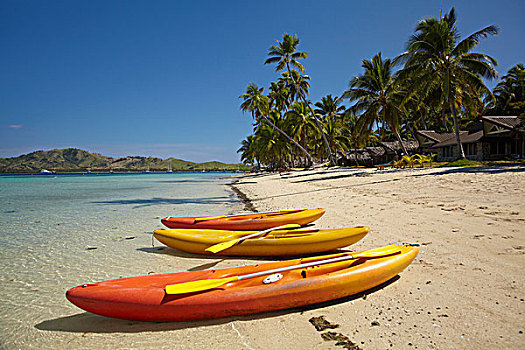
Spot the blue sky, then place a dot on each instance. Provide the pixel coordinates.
(162, 78)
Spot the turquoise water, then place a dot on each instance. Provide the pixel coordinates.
(58, 231)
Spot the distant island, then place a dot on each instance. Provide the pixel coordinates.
(77, 160)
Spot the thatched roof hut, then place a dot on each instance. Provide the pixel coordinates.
(370, 156)
(393, 147)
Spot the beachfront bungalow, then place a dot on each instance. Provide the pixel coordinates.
(505, 137)
(494, 137)
(428, 138)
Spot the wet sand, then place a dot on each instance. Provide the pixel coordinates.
(466, 288)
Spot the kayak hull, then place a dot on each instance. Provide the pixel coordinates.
(254, 221)
(275, 243)
(143, 298)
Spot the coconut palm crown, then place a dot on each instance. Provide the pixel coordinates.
(376, 95)
(510, 93)
(285, 54)
(437, 59)
(329, 106)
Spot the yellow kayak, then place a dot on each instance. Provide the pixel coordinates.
(274, 243)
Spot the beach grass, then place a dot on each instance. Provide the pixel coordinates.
(476, 163)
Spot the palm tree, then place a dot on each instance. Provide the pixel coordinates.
(279, 96)
(258, 105)
(300, 123)
(334, 129)
(436, 60)
(295, 83)
(510, 93)
(248, 150)
(330, 110)
(377, 96)
(329, 106)
(285, 54)
(272, 147)
(353, 132)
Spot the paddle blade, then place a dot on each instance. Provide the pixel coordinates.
(225, 245)
(197, 286)
(222, 246)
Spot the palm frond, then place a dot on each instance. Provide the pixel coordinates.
(470, 42)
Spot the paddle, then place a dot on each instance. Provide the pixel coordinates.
(225, 245)
(205, 218)
(201, 285)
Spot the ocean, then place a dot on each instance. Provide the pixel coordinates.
(59, 231)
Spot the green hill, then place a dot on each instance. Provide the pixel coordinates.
(76, 160)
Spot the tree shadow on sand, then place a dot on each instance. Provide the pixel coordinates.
(86, 322)
(323, 189)
(333, 176)
(330, 172)
(477, 170)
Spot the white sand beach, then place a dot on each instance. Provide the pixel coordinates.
(466, 288)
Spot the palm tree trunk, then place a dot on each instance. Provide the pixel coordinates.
(461, 153)
(325, 140)
(444, 120)
(355, 153)
(305, 143)
(400, 141)
(308, 156)
(409, 127)
(319, 126)
(396, 133)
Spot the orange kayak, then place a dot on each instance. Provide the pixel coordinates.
(253, 221)
(170, 297)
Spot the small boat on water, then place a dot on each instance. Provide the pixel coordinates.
(252, 221)
(280, 242)
(197, 295)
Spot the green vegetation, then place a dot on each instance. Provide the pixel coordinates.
(414, 160)
(436, 84)
(510, 94)
(76, 160)
(473, 163)
(461, 163)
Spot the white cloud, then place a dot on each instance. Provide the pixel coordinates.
(15, 126)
